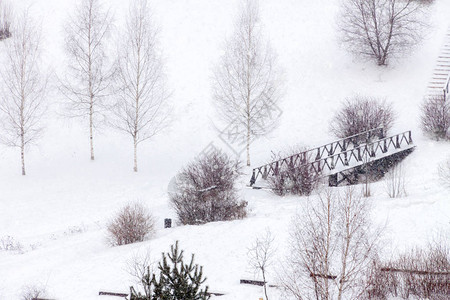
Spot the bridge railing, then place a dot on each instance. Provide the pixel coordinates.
(361, 153)
(447, 89)
(316, 154)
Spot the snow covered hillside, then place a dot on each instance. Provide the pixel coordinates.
(59, 210)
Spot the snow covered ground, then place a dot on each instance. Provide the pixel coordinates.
(59, 210)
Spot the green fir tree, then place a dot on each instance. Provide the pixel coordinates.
(176, 281)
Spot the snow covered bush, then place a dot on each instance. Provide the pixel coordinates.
(436, 117)
(8, 243)
(293, 179)
(359, 114)
(32, 292)
(5, 20)
(206, 190)
(176, 280)
(131, 224)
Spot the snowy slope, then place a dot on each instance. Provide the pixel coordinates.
(59, 210)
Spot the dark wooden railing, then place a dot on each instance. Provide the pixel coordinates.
(362, 153)
(336, 154)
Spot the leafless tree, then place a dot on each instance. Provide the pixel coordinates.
(260, 256)
(139, 266)
(379, 29)
(5, 19)
(140, 83)
(24, 84)
(332, 248)
(436, 117)
(395, 183)
(86, 83)
(444, 172)
(313, 247)
(357, 245)
(247, 82)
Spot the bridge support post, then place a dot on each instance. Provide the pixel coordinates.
(264, 175)
(333, 180)
(253, 179)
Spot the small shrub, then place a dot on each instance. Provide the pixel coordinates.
(206, 191)
(8, 243)
(423, 273)
(5, 20)
(376, 282)
(436, 117)
(299, 179)
(444, 172)
(32, 292)
(132, 224)
(360, 114)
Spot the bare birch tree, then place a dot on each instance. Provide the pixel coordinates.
(332, 248)
(246, 82)
(313, 245)
(381, 28)
(356, 244)
(87, 81)
(140, 84)
(24, 84)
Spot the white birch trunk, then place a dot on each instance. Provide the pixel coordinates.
(135, 155)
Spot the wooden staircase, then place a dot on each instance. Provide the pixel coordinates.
(439, 84)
